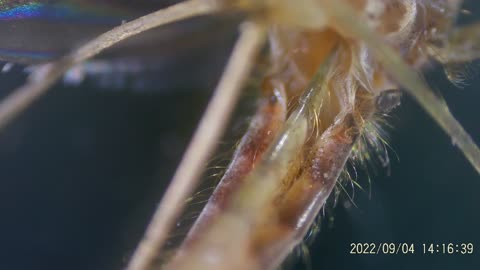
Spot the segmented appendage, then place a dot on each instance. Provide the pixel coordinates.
(335, 65)
(310, 120)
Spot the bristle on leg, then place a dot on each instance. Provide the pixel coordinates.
(345, 18)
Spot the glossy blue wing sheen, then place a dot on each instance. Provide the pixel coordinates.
(33, 32)
(38, 31)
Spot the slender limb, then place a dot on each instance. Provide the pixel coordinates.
(265, 126)
(405, 76)
(230, 237)
(211, 127)
(46, 75)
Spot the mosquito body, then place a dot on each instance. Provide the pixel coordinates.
(287, 165)
(335, 68)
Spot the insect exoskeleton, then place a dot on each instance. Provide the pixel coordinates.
(325, 85)
(334, 68)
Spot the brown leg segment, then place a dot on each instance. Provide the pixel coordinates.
(295, 210)
(266, 124)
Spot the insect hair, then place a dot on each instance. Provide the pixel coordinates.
(314, 110)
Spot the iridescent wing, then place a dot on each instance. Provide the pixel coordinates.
(34, 32)
(39, 31)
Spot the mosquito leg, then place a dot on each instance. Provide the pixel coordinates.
(265, 126)
(46, 75)
(214, 248)
(295, 210)
(211, 127)
(406, 77)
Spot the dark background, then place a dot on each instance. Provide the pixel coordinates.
(82, 170)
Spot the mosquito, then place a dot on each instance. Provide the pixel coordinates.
(334, 67)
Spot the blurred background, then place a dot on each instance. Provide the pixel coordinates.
(82, 170)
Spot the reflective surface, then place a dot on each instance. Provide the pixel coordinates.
(82, 170)
(36, 31)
